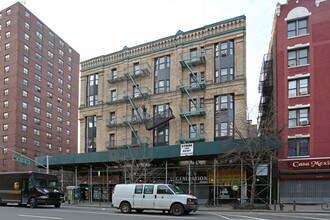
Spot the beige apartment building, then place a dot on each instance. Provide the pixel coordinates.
(185, 88)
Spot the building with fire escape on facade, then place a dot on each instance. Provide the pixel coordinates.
(185, 88)
(295, 98)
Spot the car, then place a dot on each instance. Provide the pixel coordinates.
(163, 197)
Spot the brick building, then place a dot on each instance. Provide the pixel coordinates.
(296, 93)
(39, 90)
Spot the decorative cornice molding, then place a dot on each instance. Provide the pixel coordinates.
(180, 38)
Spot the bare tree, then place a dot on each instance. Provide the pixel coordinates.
(255, 150)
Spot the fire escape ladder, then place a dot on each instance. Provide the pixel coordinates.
(131, 101)
(129, 124)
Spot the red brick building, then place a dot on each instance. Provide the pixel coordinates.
(39, 78)
(297, 86)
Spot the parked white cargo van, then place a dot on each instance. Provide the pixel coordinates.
(164, 197)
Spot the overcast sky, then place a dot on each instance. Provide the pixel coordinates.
(100, 27)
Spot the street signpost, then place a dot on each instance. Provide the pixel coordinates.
(21, 160)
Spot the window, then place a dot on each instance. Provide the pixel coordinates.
(50, 64)
(50, 44)
(49, 105)
(25, 93)
(8, 22)
(297, 57)
(192, 131)
(224, 116)
(5, 127)
(50, 74)
(6, 80)
(24, 105)
(5, 138)
(24, 128)
(26, 59)
(37, 67)
(7, 57)
(138, 189)
(8, 12)
(49, 95)
(27, 14)
(27, 25)
(136, 69)
(50, 54)
(26, 48)
(298, 87)
(6, 69)
(49, 115)
(49, 135)
(37, 88)
(193, 54)
(39, 24)
(60, 81)
(37, 99)
(5, 104)
(50, 85)
(60, 100)
(36, 132)
(7, 46)
(226, 74)
(60, 62)
(38, 45)
(60, 71)
(148, 189)
(7, 35)
(61, 52)
(90, 131)
(37, 77)
(61, 43)
(49, 125)
(36, 143)
(162, 74)
(37, 110)
(25, 71)
(25, 82)
(38, 56)
(24, 139)
(113, 95)
(297, 28)
(298, 147)
(51, 34)
(161, 133)
(5, 115)
(24, 117)
(224, 61)
(39, 35)
(37, 121)
(69, 68)
(298, 117)
(136, 92)
(60, 91)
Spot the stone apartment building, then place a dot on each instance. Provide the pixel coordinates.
(189, 87)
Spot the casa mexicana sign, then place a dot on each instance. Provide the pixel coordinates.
(310, 164)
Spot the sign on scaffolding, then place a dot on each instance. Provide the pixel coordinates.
(187, 149)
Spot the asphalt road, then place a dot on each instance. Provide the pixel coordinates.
(92, 213)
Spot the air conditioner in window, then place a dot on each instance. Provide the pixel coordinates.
(303, 92)
(303, 123)
(224, 53)
(112, 122)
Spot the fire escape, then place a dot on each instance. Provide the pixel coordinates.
(266, 105)
(131, 96)
(196, 84)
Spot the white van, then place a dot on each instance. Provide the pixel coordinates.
(164, 197)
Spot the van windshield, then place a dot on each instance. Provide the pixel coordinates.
(176, 189)
(45, 183)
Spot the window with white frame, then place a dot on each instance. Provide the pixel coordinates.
(298, 117)
(297, 27)
(298, 57)
(298, 147)
(298, 87)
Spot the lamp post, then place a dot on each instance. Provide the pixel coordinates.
(23, 156)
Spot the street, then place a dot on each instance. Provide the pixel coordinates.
(13, 212)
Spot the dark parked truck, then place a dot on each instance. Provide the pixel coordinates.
(30, 188)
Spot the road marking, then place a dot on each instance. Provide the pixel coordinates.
(135, 215)
(36, 216)
(243, 216)
(221, 216)
(305, 217)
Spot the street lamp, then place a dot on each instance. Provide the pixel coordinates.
(5, 149)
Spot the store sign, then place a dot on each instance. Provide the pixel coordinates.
(196, 177)
(310, 164)
(187, 149)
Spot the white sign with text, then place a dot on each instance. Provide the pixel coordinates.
(187, 149)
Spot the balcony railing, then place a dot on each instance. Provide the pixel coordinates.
(159, 119)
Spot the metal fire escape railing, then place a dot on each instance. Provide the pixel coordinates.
(195, 84)
(159, 119)
(265, 88)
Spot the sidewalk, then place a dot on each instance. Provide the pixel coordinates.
(224, 208)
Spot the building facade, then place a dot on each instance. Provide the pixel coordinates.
(295, 92)
(39, 90)
(185, 88)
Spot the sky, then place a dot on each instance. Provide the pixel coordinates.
(100, 27)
